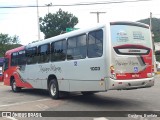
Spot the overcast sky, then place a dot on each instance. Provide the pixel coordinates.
(23, 21)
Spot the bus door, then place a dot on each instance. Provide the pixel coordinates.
(31, 70)
(6, 66)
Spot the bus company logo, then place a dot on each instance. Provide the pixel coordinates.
(138, 35)
(134, 51)
(122, 33)
(122, 36)
(50, 68)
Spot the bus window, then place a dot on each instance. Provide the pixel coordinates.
(14, 59)
(44, 55)
(77, 47)
(58, 50)
(31, 54)
(21, 58)
(95, 44)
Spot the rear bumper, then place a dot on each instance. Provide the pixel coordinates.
(112, 84)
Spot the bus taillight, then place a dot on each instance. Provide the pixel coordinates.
(153, 70)
(112, 70)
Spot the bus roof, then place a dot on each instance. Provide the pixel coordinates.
(66, 35)
(83, 30)
(14, 50)
(130, 23)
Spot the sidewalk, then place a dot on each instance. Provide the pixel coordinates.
(1, 83)
(158, 72)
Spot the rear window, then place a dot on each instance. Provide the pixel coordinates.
(130, 38)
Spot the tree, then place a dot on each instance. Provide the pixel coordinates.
(55, 24)
(7, 42)
(155, 27)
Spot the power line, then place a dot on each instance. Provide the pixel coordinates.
(155, 14)
(76, 4)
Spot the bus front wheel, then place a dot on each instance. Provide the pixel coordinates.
(14, 87)
(53, 89)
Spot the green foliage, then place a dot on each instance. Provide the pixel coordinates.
(7, 42)
(6, 39)
(158, 58)
(157, 54)
(55, 24)
(155, 27)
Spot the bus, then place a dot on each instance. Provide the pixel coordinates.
(1, 68)
(111, 56)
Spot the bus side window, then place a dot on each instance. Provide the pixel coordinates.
(21, 57)
(14, 59)
(43, 52)
(95, 44)
(31, 54)
(58, 50)
(77, 47)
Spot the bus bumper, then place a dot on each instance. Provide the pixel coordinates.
(112, 84)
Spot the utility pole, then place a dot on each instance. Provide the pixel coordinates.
(151, 21)
(151, 24)
(151, 30)
(38, 21)
(50, 4)
(97, 15)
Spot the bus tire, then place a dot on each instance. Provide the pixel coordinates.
(53, 89)
(14, 87)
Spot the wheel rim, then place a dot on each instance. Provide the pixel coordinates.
(53, 90)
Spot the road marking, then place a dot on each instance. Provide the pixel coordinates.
(20, 103)
(100, 118)
(42, 106)
(11, 118)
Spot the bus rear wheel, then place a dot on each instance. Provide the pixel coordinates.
(53, 89)
(14, 87)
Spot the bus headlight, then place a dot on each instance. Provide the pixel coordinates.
(153, 74)
(150, 74)
(114, 76)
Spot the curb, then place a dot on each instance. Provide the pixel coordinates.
(157, 72)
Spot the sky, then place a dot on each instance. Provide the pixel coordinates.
(23, 21)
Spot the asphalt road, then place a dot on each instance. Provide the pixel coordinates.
(146, 99)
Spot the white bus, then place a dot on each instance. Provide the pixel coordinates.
(113, 56)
